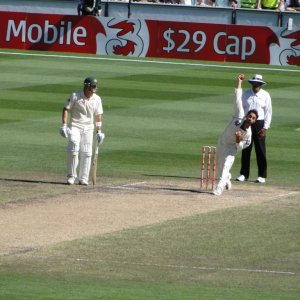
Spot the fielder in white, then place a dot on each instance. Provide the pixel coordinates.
(78, 126)
(236, 136)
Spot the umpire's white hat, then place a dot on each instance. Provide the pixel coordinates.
(257, 79)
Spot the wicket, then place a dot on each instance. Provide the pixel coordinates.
(208, 174)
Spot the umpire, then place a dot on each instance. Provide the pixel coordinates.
(260, 100)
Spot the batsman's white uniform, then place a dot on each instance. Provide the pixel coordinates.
(227, 146)
(81, 125)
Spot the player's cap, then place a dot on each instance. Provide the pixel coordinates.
(257, 79)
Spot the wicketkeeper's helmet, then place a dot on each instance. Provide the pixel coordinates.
(91, 82)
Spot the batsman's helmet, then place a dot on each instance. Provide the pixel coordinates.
(91, 82)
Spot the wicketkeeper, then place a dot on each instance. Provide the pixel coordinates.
(236, 136)
(78, 126)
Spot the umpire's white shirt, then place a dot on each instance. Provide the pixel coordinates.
(82, 110)
(260, 101)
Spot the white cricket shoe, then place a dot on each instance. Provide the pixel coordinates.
(260, 180)
(228, 185)
(241, 178)
(71, 180)
(83, 182)
(218, 190)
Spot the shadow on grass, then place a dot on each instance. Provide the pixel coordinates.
(171, 176)
(186, 190)
(198, 191)
(32, 181)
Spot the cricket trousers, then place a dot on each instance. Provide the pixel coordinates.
(225, 159)
(80, 144)
(260, 151)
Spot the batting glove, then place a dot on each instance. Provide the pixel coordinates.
(100, 137)
(64, 131)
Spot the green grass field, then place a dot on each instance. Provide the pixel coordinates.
(157, 117)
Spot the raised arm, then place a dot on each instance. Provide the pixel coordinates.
(238, 106)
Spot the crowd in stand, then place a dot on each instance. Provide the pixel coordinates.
(282, 5)
(93, 7)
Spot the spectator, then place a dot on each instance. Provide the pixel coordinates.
(89, 8)
(268, 4)
(186, 2)
(292, 5)
(206, 3)
(282, 5)
(170, 1)
(225, 3)
(249, 3)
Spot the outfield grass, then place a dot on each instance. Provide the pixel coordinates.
(157, 117)
(242, 253)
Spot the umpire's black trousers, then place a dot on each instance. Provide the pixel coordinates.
(260, 150)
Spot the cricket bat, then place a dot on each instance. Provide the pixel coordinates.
(94, 166)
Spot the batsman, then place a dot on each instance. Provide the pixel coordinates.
(81, 113)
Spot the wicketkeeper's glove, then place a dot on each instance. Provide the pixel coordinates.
(64, 131)
(100, 137)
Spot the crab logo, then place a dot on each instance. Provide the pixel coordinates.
(123, 37)
(290, 48)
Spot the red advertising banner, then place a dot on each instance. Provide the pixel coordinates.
(211, 42)
(149, 38)
(48, 32)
